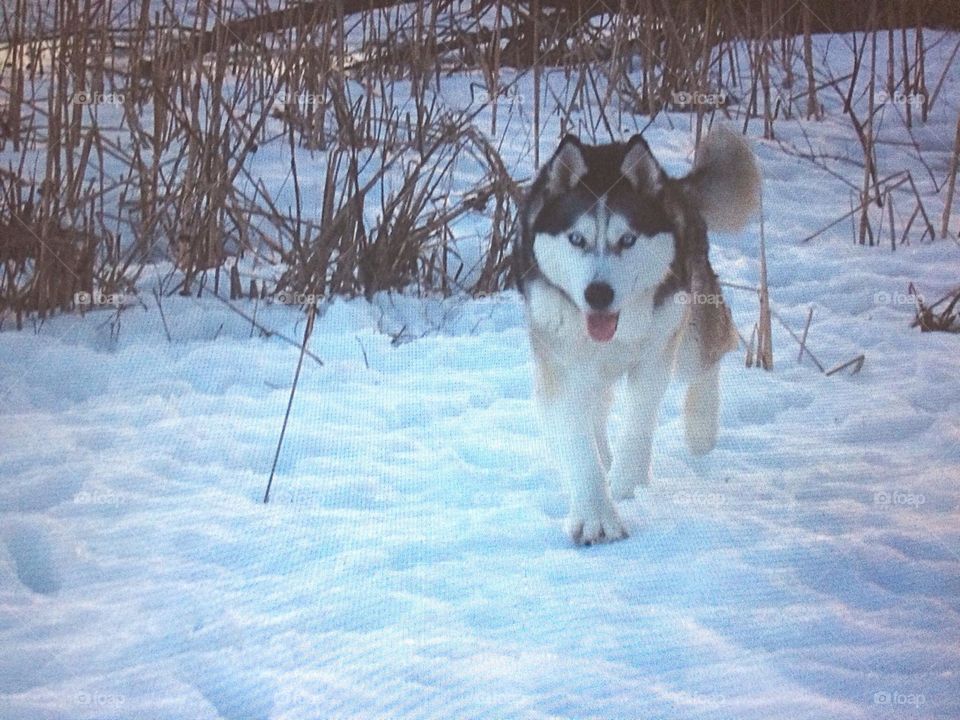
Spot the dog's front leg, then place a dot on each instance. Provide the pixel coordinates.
(570, 416)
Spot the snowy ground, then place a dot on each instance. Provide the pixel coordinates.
(412, 563)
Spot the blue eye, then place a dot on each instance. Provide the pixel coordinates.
(577, 240)
(627, 241)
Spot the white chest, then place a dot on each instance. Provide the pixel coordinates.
(561, 330)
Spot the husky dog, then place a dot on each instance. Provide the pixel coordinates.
(612, 263)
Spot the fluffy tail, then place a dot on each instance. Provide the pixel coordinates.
(724, 181)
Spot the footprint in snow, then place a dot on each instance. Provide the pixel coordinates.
(33, 556)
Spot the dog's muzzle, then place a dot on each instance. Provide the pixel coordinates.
(601, 325)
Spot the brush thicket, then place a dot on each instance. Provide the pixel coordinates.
(160, 164)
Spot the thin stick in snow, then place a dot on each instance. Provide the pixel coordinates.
(764, 339)
(311, 314)
(163, 318)
(893, 230)
(803, 340)
(923, 210)
(797, 339)
(366, 362)
(951, 182)
(857, 363)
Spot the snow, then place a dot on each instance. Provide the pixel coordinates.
(411, 562)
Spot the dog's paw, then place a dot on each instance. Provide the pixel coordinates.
(595, 524)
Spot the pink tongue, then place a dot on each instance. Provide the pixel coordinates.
(602, 326)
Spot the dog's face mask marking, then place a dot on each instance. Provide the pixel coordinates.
(601, 235)
(601, 262)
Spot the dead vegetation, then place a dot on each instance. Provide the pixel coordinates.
(939, 316)
(136, 131)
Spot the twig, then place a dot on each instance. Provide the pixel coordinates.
(923, 211)
(893, 229)
(311, 314)
(904, 238)
(859, 207)
(786, 327)
(364, 351)
(946, 297)
(925, 318)
(764, 335)
(163, 318)
(737, 286)
(803, 340)
(951, 182)
(857, 362)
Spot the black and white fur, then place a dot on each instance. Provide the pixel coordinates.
(613, 264)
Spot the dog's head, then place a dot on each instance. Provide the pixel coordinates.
(604, 223)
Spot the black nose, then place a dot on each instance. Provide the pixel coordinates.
(599, 295)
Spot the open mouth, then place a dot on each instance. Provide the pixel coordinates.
(602, 326)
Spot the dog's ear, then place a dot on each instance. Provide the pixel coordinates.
(640, 167)
(724, 183)
(567, 166)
